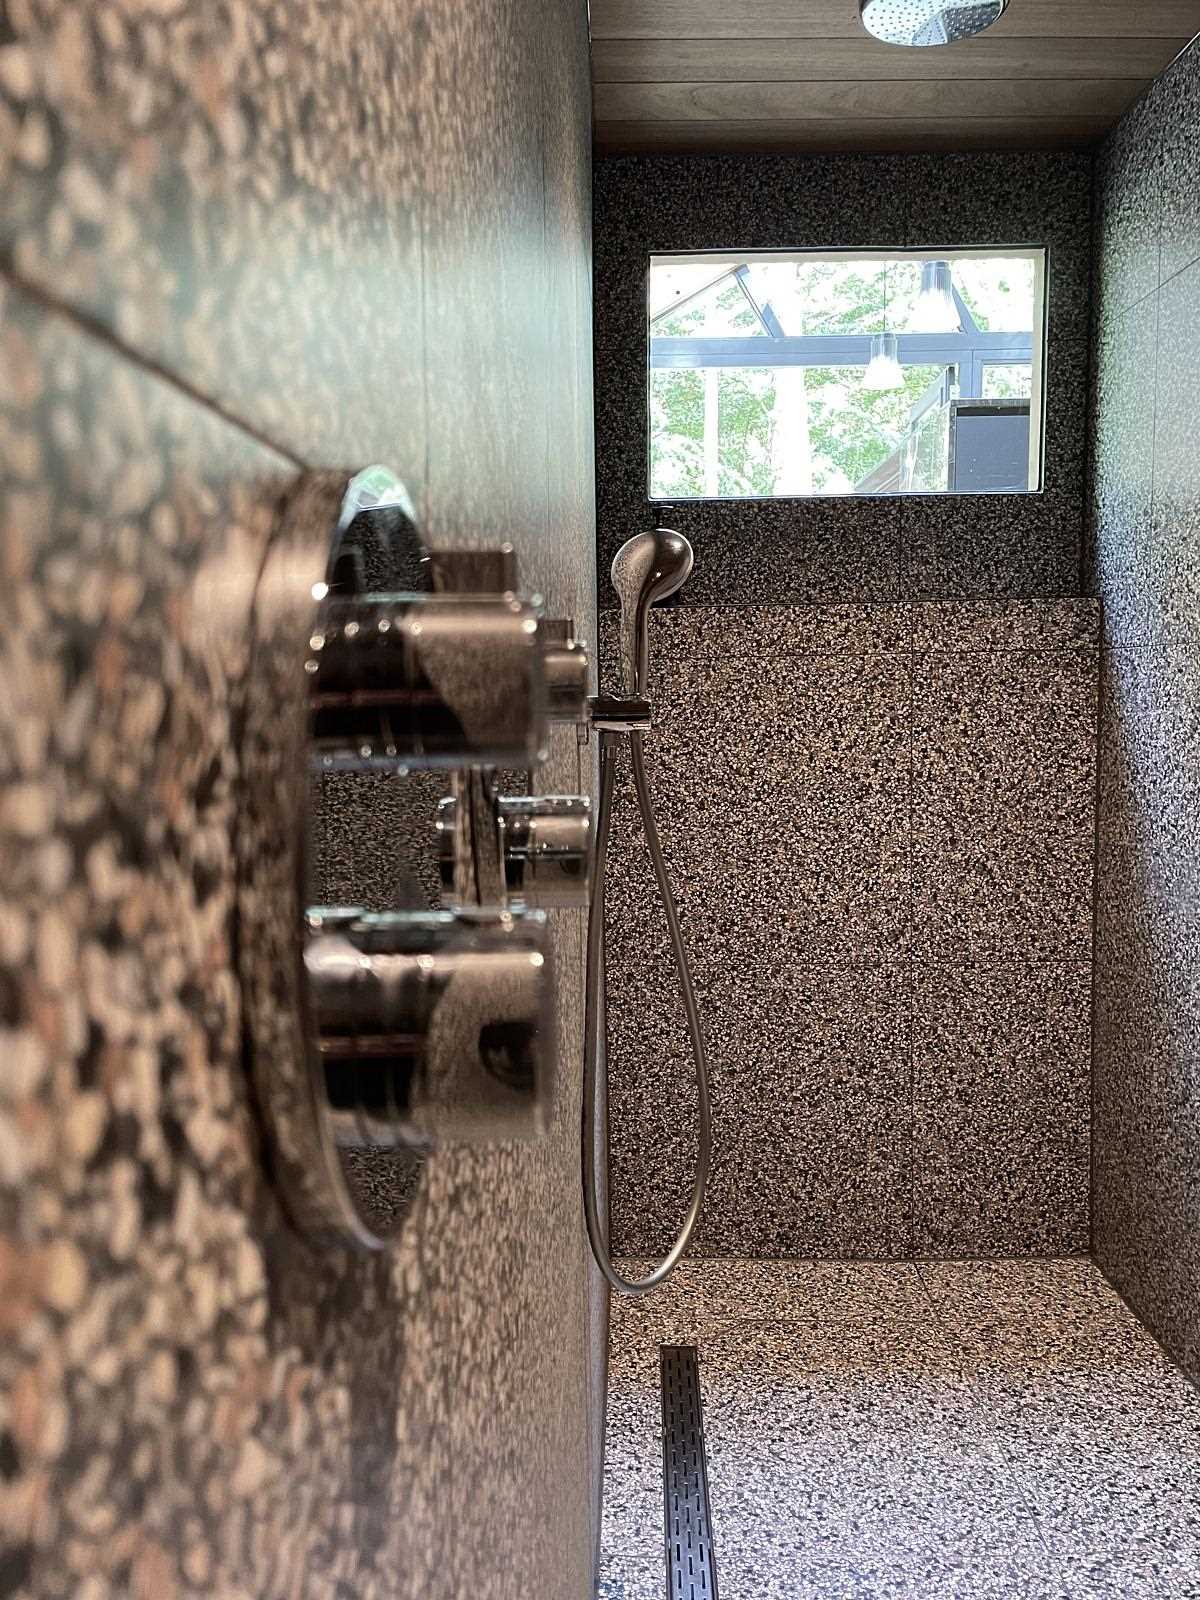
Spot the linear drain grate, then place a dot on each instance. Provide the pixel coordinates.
(691, 1568)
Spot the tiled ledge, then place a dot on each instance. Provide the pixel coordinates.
(1067, 624)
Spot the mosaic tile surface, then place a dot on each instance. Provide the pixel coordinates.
(264, 208)
(190, 176)
(1146, 517)
(880, 825)
(788, 552)
(976, 1429)
(196, 1401)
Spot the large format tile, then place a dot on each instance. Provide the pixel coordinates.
(1003, 797)
(233, 192)
(957, 1429)
(1149, 833)
(1147, 1005)
(1003, 1310)
(1147, 1043)
(847, 1457)
(1002, 1101)
(1043, 197)
(789, 735)
(1123, 450)
(1174, 609)
(774, 552)
(864, 1526)
(268, 204)
(810, 1116)
(1146, 1173)
(627, 1578)
(1003, 544)
(779, 764)
(1102, 1432)
(1073, 1384)
(1129, 178)
(1148, 950)
(1002, 625)
(194, 1372)
(1180, 238)
(984, 545)
(818, 1295)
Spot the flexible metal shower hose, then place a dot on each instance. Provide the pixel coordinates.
(594, 1013)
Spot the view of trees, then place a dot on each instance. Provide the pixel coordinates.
(806, 430)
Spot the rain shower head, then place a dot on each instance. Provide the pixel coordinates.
(646, 568)
(929, 22)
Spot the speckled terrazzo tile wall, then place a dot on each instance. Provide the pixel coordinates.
(880, 820)
(1145, 558)
(836, 550)
(237, 243)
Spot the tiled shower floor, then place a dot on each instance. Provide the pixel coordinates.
(927, 1431)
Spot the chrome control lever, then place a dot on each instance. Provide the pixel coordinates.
(545, 842)
(443, 680)
(429, 1025)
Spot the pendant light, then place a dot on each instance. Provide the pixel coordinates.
(935, 311)
(929, 22)
(884, 371)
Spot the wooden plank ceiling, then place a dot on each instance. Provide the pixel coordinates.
(805, 75)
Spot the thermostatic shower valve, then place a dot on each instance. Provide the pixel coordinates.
(414, 1028)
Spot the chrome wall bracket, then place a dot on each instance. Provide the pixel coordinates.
(619, 714)
(415, 1028)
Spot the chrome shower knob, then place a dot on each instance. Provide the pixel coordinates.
(546, 845)
(547, 848)
(431, 1028)
(444, 680)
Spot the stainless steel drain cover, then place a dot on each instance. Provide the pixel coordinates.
(691, 1567)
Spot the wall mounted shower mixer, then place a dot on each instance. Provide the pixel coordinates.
(420, 1026)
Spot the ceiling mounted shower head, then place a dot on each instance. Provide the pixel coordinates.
(929, 22)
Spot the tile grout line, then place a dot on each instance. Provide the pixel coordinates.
(977, 1407)
(95, 329)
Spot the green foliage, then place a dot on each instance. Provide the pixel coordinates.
(724, 310)
(851, 431)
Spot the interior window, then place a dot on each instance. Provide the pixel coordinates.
(844, 373)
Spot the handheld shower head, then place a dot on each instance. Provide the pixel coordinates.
(646, 568)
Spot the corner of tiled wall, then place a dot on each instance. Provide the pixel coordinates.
(1145, 567)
